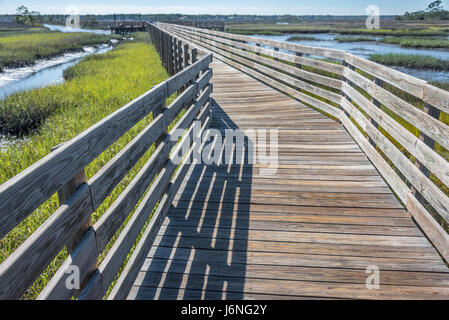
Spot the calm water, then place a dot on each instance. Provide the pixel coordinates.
(43, 73)
(365, 49)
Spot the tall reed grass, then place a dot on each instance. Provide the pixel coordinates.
(18, 49)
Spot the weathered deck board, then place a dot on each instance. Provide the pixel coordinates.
(310, 230)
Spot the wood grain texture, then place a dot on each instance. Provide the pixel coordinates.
(21, 268)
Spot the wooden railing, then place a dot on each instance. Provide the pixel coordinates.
(62, 171)
(370, 100)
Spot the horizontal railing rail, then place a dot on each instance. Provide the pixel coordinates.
(62, 172)
(376, 104)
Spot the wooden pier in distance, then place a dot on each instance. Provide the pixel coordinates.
(130, 27)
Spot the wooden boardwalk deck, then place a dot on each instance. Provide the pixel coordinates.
(309, 231)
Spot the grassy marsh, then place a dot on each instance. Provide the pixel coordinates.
(413, 61)
(254, 28)
(18, 49)
(302, 38)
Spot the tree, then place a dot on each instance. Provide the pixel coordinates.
(27, 17)
(435, 6)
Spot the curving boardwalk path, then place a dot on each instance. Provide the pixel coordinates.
(308, 231)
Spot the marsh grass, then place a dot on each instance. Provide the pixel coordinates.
(96, 88)
(300, 28)
(354, 39)
(417, 42)
(413, 61)
(18, 49)
(256, 32)
(303, 38)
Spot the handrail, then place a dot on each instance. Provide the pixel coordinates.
(353, 91)
(62, 171)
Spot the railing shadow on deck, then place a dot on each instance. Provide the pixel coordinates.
(206, 237)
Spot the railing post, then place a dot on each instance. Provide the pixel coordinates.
(379, 83)
(186, 61)
(277, 50)
(194, 58)
(186, 56)
(258, 45)
(298, 65)
(180, 56)
(64, 193)
(434, 113)
(170, 55)
(345, 64)
(175, 56)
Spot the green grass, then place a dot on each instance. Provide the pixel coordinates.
(413, 61)
(354, 39)
(417, 42)
(302, 38)
(256, 32)
(98, 86)
(18, 49)
(410, 42)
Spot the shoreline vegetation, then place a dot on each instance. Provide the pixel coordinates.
(95, 88)
(407, 42)
(412, 61)
(267, 29)
(22, 49)
(302, 38)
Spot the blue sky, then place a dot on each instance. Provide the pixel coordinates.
(333, 7)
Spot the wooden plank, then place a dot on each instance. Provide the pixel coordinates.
(307, 260)
(82, 258)
(337, 249)
(297, 273)
(150, 293)
(208, 226)
(296, 288)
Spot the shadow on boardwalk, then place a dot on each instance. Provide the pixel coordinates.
(206, 232)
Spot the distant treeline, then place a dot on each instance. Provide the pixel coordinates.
(108, 18)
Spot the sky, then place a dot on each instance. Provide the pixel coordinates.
(295, 7)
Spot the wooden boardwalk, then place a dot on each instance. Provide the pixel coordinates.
(309, 231)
